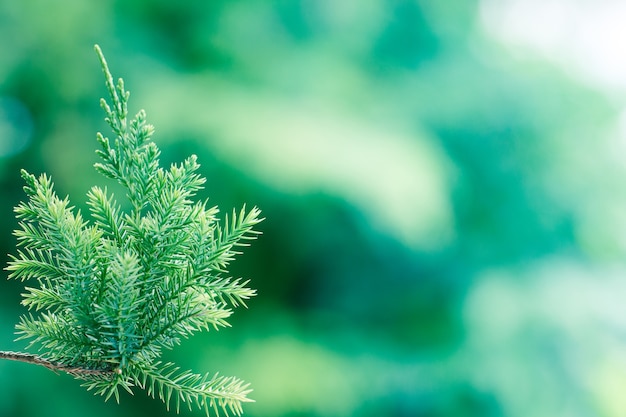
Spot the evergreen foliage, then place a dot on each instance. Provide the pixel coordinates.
(112, 292)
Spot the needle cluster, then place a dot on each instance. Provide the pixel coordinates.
(112, 291)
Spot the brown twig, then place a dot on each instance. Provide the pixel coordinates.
(55, 366)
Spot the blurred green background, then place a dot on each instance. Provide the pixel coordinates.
(446, 216)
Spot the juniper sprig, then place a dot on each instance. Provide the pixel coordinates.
(111, 292)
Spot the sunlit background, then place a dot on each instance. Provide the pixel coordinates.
(442, 181)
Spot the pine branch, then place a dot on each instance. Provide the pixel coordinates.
(107, 296)
(205, 391)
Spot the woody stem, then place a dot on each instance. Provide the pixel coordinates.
(54, 366)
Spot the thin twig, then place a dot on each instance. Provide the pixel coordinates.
(55, 366)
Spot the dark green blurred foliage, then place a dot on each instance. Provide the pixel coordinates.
(443, 216)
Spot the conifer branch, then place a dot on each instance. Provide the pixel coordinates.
(112, 291)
